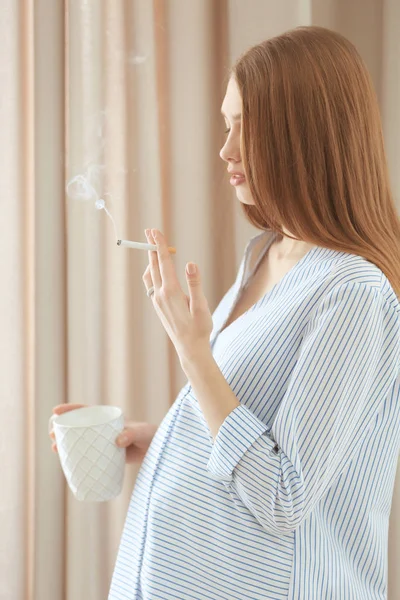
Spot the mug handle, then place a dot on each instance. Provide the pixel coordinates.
(50, 426)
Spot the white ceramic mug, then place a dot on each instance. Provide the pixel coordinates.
(93, 464)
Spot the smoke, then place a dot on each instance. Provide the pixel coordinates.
(86, 188)
(137, 59)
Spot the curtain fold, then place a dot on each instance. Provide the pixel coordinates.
(47, 267)
(128, 94)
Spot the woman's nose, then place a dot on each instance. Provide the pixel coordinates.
(230, 151)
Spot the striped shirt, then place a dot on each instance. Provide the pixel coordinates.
(292, 499)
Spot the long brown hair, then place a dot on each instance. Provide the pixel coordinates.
(312, 146)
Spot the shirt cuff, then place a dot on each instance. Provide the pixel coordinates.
(236, 435)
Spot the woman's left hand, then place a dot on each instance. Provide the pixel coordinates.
(186, 319)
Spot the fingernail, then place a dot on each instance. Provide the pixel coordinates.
(191, 268)
(121, 440)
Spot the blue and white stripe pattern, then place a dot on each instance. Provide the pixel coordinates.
(292, 499)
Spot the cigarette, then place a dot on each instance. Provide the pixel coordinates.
(142, 246)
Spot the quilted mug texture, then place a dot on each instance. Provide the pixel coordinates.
(92, 463)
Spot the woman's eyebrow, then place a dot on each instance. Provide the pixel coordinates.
(236, 117)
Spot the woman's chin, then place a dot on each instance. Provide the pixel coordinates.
(243, 195)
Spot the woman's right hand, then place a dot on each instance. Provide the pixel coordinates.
(138, 435)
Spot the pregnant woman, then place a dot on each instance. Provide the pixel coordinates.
(272, 474)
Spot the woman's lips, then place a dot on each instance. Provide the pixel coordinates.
(237, 179)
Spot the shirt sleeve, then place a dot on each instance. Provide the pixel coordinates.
(347, 362)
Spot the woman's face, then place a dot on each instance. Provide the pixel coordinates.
(232, 112)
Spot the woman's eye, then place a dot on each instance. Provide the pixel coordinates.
(227, 130)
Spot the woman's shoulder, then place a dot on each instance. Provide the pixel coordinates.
(357, 270)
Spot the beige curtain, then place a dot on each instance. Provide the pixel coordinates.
(131, 89)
